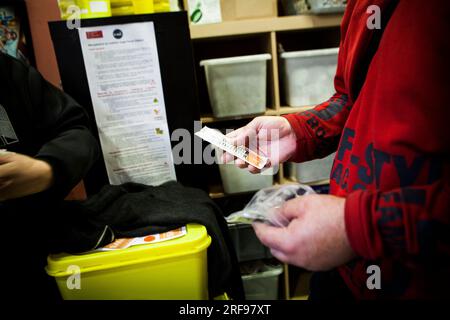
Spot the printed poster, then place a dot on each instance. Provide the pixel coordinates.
(124, 78)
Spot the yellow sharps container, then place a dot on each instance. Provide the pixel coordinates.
(143, 6)
(170, 270)
(94, 8)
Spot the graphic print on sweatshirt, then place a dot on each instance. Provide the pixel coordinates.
(7, 134)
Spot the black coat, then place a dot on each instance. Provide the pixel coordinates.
(38, 120)
(49, 124)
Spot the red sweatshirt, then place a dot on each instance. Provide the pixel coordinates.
(389, 121)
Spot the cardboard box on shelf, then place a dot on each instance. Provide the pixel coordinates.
(248, 9)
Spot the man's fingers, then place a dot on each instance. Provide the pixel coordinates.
(280, 255)
(227, 157)
(253, 169)
(241, 163)
(238, 137)
(235, 133)
(272, 237)
(293, 209)
(244, 135)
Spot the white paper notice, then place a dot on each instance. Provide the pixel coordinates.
(124, 77)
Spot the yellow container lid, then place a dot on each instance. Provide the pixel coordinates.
(196, 240)
(121, 3)
(143, 6)
(122, 11)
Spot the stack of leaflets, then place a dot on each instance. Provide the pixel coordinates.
(9, 31)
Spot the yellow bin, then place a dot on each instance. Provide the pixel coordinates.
(170, 270)
(94, 8)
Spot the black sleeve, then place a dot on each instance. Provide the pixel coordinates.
(62, 125)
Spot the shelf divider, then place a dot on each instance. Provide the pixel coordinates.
(275, 72)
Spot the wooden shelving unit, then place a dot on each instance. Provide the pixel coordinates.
(247, 37)
(245, 27)
(256, 36)
(205, 119)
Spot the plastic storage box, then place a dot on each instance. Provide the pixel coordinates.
(262, 285)
(308, 76)
(312, 171)
(247, 245)
(327, 6)
(238, 85)
(236, 180)
(173, 270)
(295, 7)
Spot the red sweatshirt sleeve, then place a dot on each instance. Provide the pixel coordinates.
(319, 130)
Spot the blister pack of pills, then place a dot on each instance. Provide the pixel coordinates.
(221, 141)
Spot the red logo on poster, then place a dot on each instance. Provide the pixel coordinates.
(94, 34)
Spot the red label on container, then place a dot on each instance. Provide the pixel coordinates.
(94, 34)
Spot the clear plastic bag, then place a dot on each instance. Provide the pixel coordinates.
(266, 203)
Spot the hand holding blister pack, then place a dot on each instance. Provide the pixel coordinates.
(266, 204)
(220, 141)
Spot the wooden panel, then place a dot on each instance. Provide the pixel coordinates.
(39, 14)
(274, 69)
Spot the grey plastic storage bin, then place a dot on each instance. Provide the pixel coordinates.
(237, 85)
(236, 180)
(312, 171)
(327, 6)
(295, 7)
(246, 243)
(262, 285)
(308, 76)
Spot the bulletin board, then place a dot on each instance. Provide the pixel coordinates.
(177, 75)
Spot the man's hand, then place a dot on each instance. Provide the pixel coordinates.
(315, 238)
(273, 136)
(21, 176)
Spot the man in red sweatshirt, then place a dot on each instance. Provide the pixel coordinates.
(389, 209)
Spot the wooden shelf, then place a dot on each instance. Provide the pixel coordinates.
(287, 110)
(245, 27)
(211, 119)
(269, 112)
(305, 297)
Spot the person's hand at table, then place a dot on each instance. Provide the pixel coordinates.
(273, 136)
(315, 238)
(21, 176)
